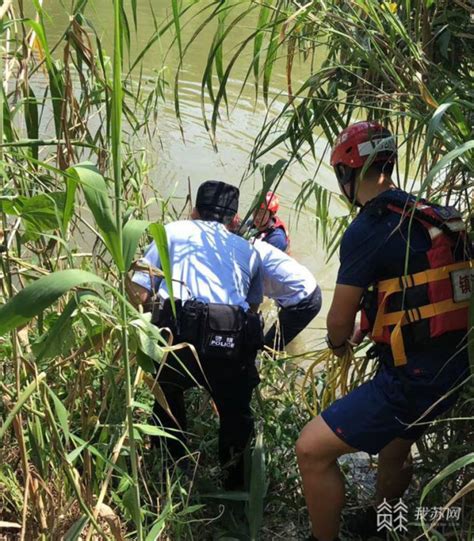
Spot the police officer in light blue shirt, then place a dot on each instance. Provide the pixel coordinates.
(218, 285)
(208, 263)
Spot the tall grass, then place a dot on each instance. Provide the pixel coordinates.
(69, 410)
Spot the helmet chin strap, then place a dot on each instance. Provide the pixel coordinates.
(353, 198)
(348, 177)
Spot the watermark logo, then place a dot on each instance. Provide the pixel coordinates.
(437, 514)
(393, 517)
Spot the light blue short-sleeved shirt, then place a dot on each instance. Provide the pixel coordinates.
(284, 279)
(208, 263)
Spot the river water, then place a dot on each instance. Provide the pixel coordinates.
(174, 160)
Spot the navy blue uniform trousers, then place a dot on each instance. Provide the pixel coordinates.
(293, 319)
(230, 384)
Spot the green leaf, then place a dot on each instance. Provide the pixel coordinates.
(75, 453)
(158, 232)
(24, 395)
(258, 41)
(40, 213)
(56, 82)
(39, 295)
(132, 232)
(120, 27)
(451, 468)
(152, 430)
(75, 531)
(160, 523)
(145, 362)
(71, 186)
(148, 338)
(60, 336)
(62, 414)
(177, 25)
(269, 173)
(189, 509)
(94, 451)
(31, 119)
(445, 161)
(130, 504)
(258, 489)
(134, 13)
(270, 60)
(157, 528)
(98, 200)
(231, 495)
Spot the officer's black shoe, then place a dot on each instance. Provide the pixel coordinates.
(312, 538)
(233, 480)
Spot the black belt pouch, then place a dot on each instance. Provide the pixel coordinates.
(162, 314)
(192, 323)
(224, 332)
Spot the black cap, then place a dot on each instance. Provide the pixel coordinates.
(219, 196)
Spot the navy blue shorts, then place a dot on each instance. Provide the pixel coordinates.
(382, 409)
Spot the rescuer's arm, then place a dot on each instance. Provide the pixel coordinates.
(342, 314)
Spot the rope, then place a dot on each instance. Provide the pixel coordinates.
(341, 374)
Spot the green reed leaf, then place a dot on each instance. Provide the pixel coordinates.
(132, 232)
(41, 294)
(158, 232)
(98, 200)
(24, 396)
(61, 413)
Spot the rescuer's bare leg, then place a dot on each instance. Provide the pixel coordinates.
(317, 450)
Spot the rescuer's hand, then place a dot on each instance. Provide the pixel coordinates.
(357, 335)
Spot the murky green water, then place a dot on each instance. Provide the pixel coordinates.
(176, 160)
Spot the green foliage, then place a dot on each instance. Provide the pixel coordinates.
(98, 199)
(39, 213)
(35, 298)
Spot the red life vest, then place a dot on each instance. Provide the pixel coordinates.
(277, 223)
(434, 300)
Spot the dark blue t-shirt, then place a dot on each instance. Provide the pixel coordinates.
(374, 246)
(277, 237)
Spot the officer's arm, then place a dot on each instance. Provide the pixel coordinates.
(136, 293)
(342, 314)
(255, 292)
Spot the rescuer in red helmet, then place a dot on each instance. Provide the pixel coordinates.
(270, 227)
(406, 262)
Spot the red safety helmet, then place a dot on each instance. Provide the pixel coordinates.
(271, 203)
(359, 141)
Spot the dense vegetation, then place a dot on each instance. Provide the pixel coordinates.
(76, 357)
